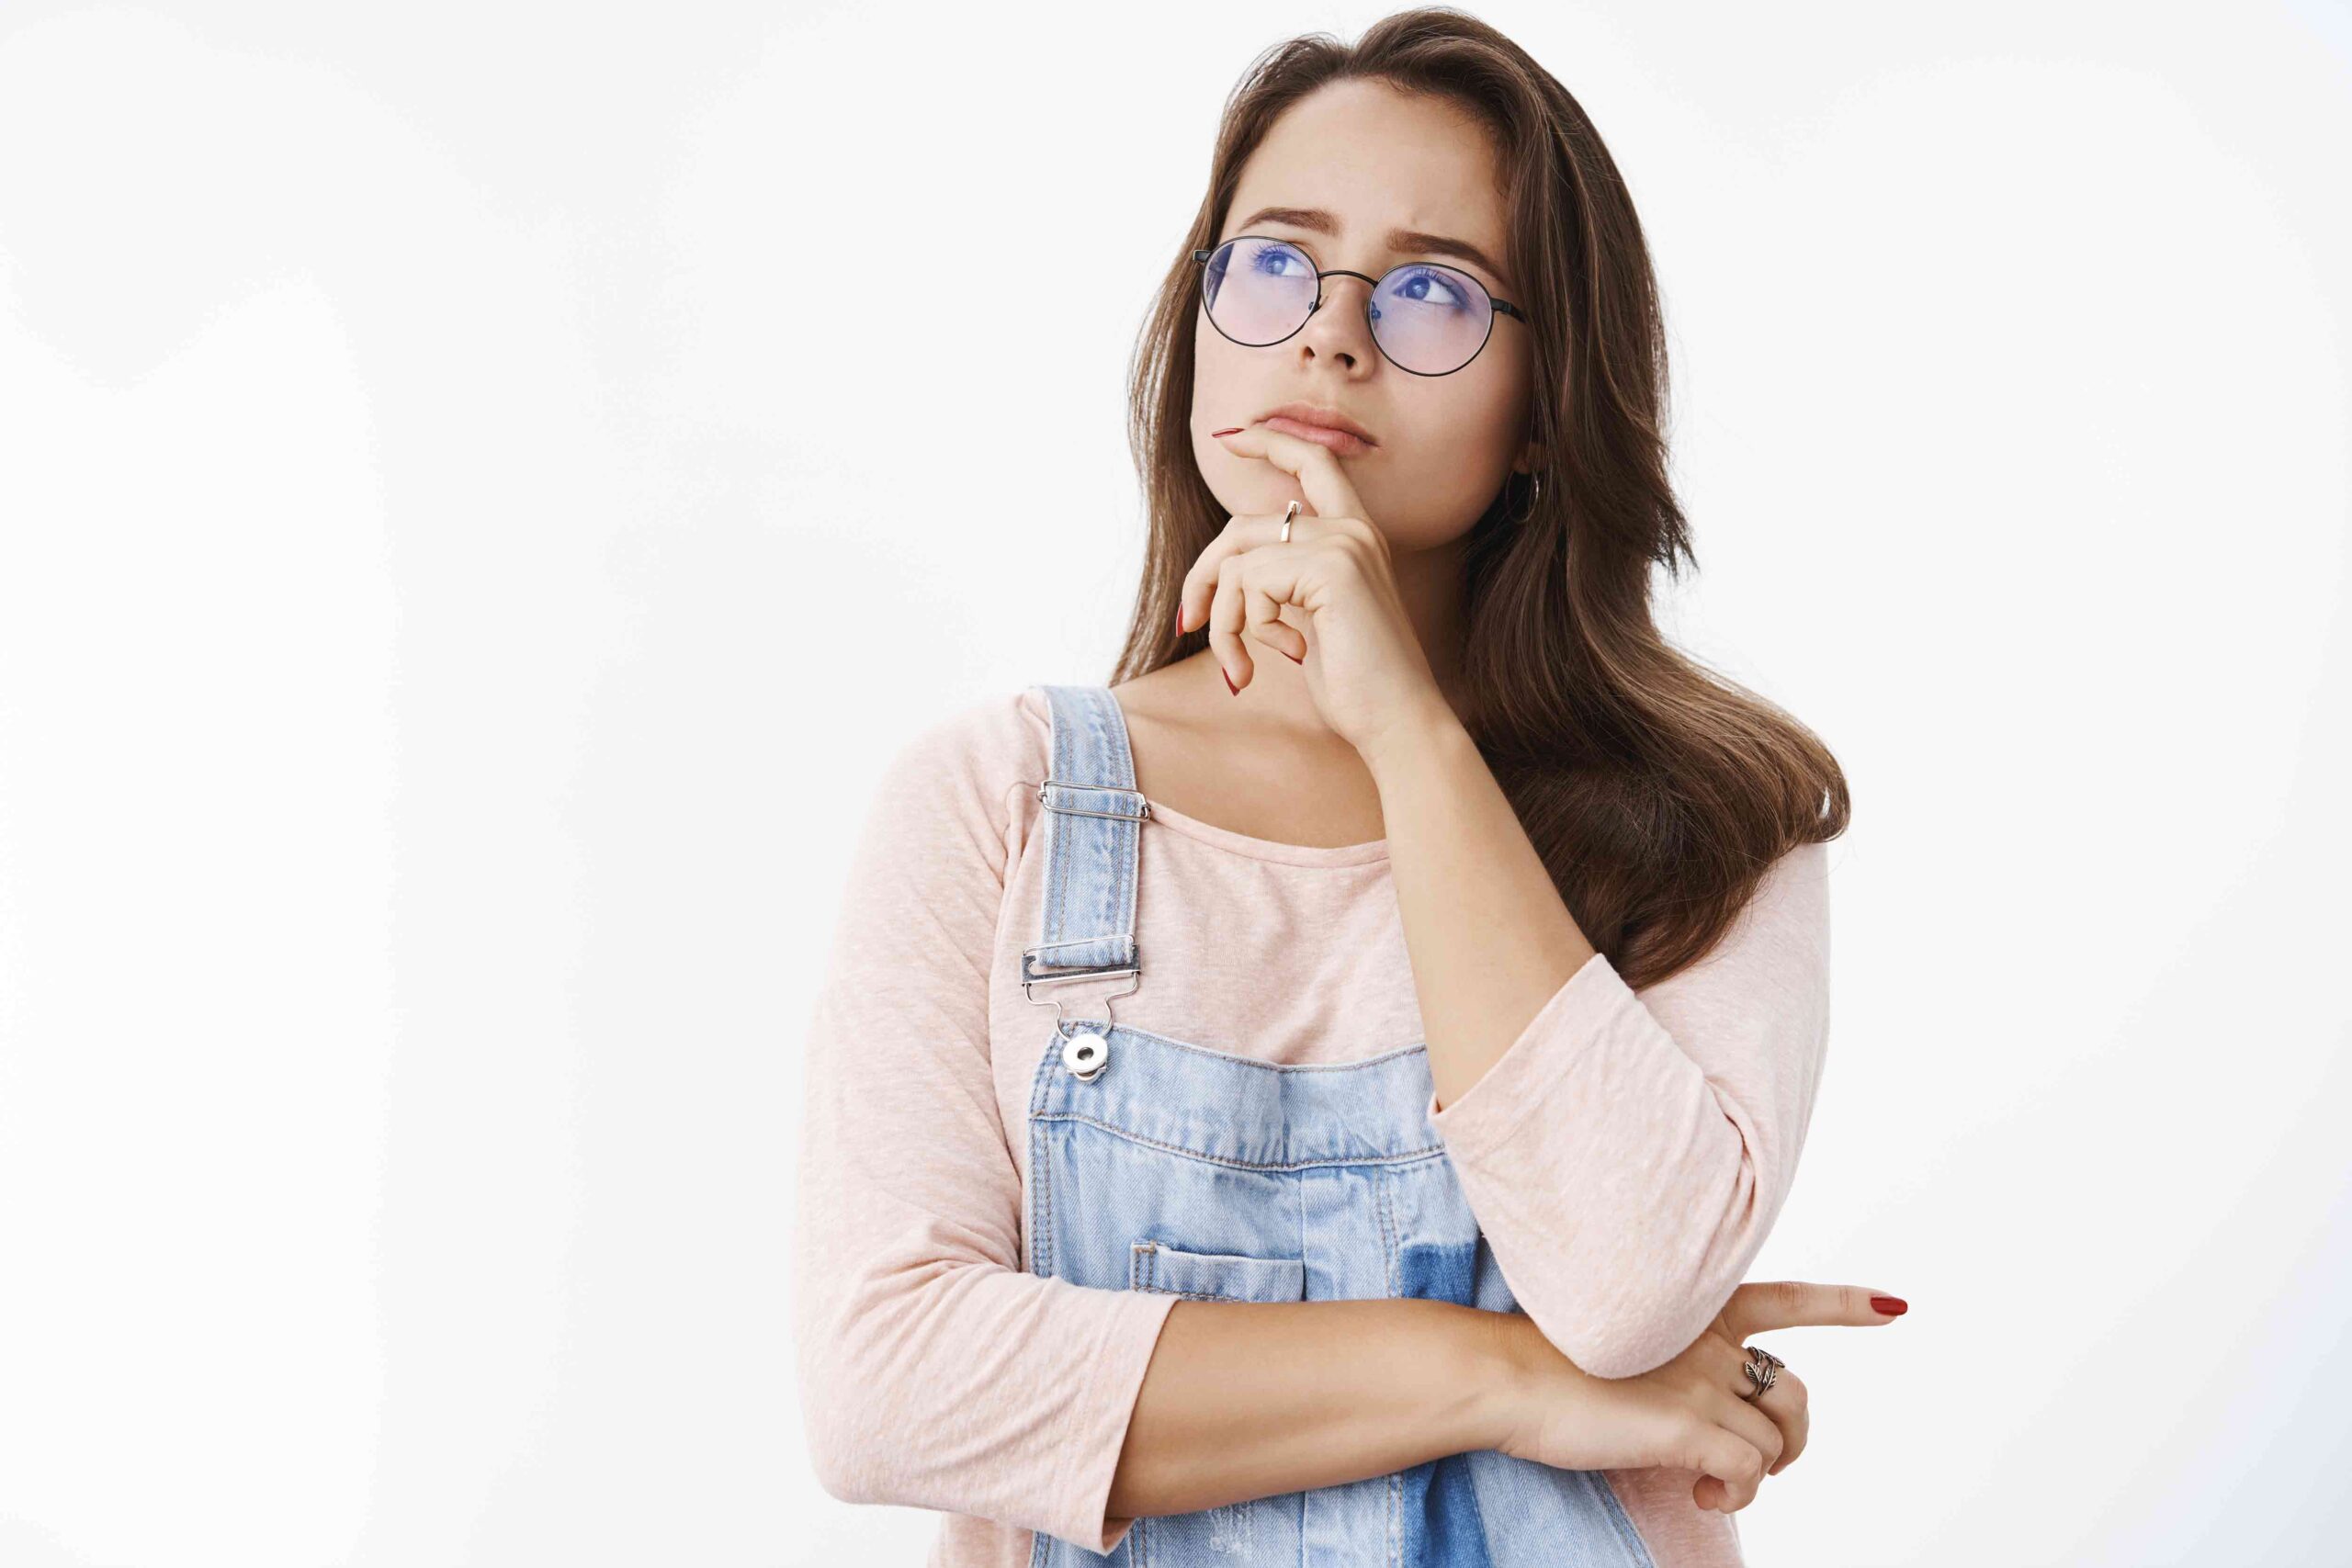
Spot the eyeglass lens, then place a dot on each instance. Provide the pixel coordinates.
(1429, 318)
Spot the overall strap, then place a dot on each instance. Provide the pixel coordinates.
(1094, 819)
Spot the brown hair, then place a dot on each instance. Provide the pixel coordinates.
(1656, 792)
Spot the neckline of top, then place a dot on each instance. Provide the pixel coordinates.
(1367, 853)
(1275, 850)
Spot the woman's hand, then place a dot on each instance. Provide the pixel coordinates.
(1693, 1413)
(1364, 664)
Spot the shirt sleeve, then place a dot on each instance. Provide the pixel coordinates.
(1627, 1155)
(934, 1371)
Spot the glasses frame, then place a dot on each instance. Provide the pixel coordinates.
(1497, 306)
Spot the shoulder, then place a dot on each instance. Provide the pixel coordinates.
(1000, 739)
(962, 774)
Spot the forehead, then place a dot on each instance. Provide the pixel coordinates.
(1377, 159)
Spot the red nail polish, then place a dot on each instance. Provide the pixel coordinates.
(1228, 682)
(1224, 432)
(1893, 1306)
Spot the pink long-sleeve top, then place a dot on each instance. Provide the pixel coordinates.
(1625, 1156)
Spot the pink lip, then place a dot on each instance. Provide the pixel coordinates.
(1345, 443)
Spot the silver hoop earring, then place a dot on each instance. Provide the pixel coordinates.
(1535, 498)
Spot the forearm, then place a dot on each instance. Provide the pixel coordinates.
(1255, 1399)
(1488, 934)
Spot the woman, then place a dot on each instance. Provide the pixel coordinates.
(1437, 1007)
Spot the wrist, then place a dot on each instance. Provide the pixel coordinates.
(1494, 1374)
(1422, 733)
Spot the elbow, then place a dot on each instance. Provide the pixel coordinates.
(1667, 1295)
(844, 1479)
(1626, 1339)
(837, 1481)
(831, 1442)
(1626, 1349)
(838, 1405)
(851, 1462)
(878, 1361)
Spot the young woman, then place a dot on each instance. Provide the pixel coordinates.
(1437, 961)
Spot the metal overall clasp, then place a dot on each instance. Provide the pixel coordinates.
(1088, 1051)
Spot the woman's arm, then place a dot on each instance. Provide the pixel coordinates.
(1625, 1154)
(1254, 1399)
(936, 1373)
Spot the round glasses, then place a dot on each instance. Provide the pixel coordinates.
(1426, 320)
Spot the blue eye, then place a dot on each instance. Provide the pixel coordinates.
(1273, 260)
(1429, 286)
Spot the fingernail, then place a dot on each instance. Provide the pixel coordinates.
(1224, 432)
(1228, 682)
(1180, 619)
(1893, 1306)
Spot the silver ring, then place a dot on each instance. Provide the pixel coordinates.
(1290, 511)
(1763, 1370)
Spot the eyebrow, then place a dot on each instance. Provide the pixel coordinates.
(1399, 240)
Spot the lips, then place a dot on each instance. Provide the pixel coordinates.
(1325, 427)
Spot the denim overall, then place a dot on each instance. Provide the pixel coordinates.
(1160, 1165)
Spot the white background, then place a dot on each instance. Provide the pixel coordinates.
(483, 487)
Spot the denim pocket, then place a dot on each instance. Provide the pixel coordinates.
(1153, 1264)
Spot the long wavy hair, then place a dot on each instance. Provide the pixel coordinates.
(1657, 792)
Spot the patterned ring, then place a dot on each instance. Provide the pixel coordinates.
(1763, 1370)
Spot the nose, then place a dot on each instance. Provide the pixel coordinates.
(1343, 323)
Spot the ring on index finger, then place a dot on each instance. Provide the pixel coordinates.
(1763, 1370)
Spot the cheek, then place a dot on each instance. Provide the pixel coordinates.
(1217, 374)
(1500, 396)
(1454, 447)
(1462, 431)
(1225, 393)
